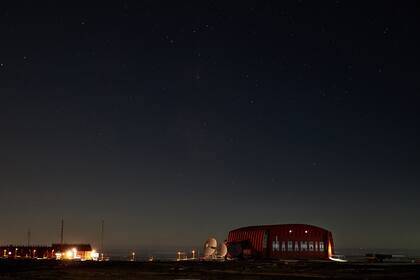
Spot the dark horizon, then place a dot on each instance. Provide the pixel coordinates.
(174, 122)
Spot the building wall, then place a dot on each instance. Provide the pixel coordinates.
(294, 241)
(255, 236)
(299, 241)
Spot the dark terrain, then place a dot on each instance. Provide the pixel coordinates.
(10, 269)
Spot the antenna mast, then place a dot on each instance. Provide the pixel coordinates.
(102, 239)
(29, 237)
(62, 233)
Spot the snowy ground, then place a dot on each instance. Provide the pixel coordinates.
(46, 270)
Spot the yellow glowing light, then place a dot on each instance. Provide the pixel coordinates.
(69, 254)
(94, 255)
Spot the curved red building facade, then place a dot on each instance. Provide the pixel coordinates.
(285, 241)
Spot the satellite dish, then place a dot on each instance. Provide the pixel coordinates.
(210, 247)
(222, 250)
(208, 252)
(212, 243)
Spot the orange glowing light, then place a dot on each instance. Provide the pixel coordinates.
(329, 249)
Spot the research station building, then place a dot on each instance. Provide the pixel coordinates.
(284, 241)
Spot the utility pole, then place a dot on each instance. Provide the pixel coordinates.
(62, 233)
(102, 239)
(29, 237)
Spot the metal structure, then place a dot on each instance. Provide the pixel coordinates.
(285, 241)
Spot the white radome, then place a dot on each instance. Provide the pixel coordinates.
(210, 247)
(222, 250)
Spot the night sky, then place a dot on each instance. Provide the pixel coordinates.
(175, 121)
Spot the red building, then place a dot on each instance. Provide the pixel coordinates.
(288, 241)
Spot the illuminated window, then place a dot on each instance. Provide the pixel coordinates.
(296, 246)
(303, 246)
(316, 245)
(283, 246)
(311, 246)
(321, 246)
(276, 245)
(289, 245)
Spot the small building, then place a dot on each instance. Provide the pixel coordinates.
(74, 252)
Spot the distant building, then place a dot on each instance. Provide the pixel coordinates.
(286, 241)
(75, 251)
(55, 251)
(33, 252)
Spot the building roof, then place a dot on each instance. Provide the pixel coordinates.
(262, 227)
(65, 247)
